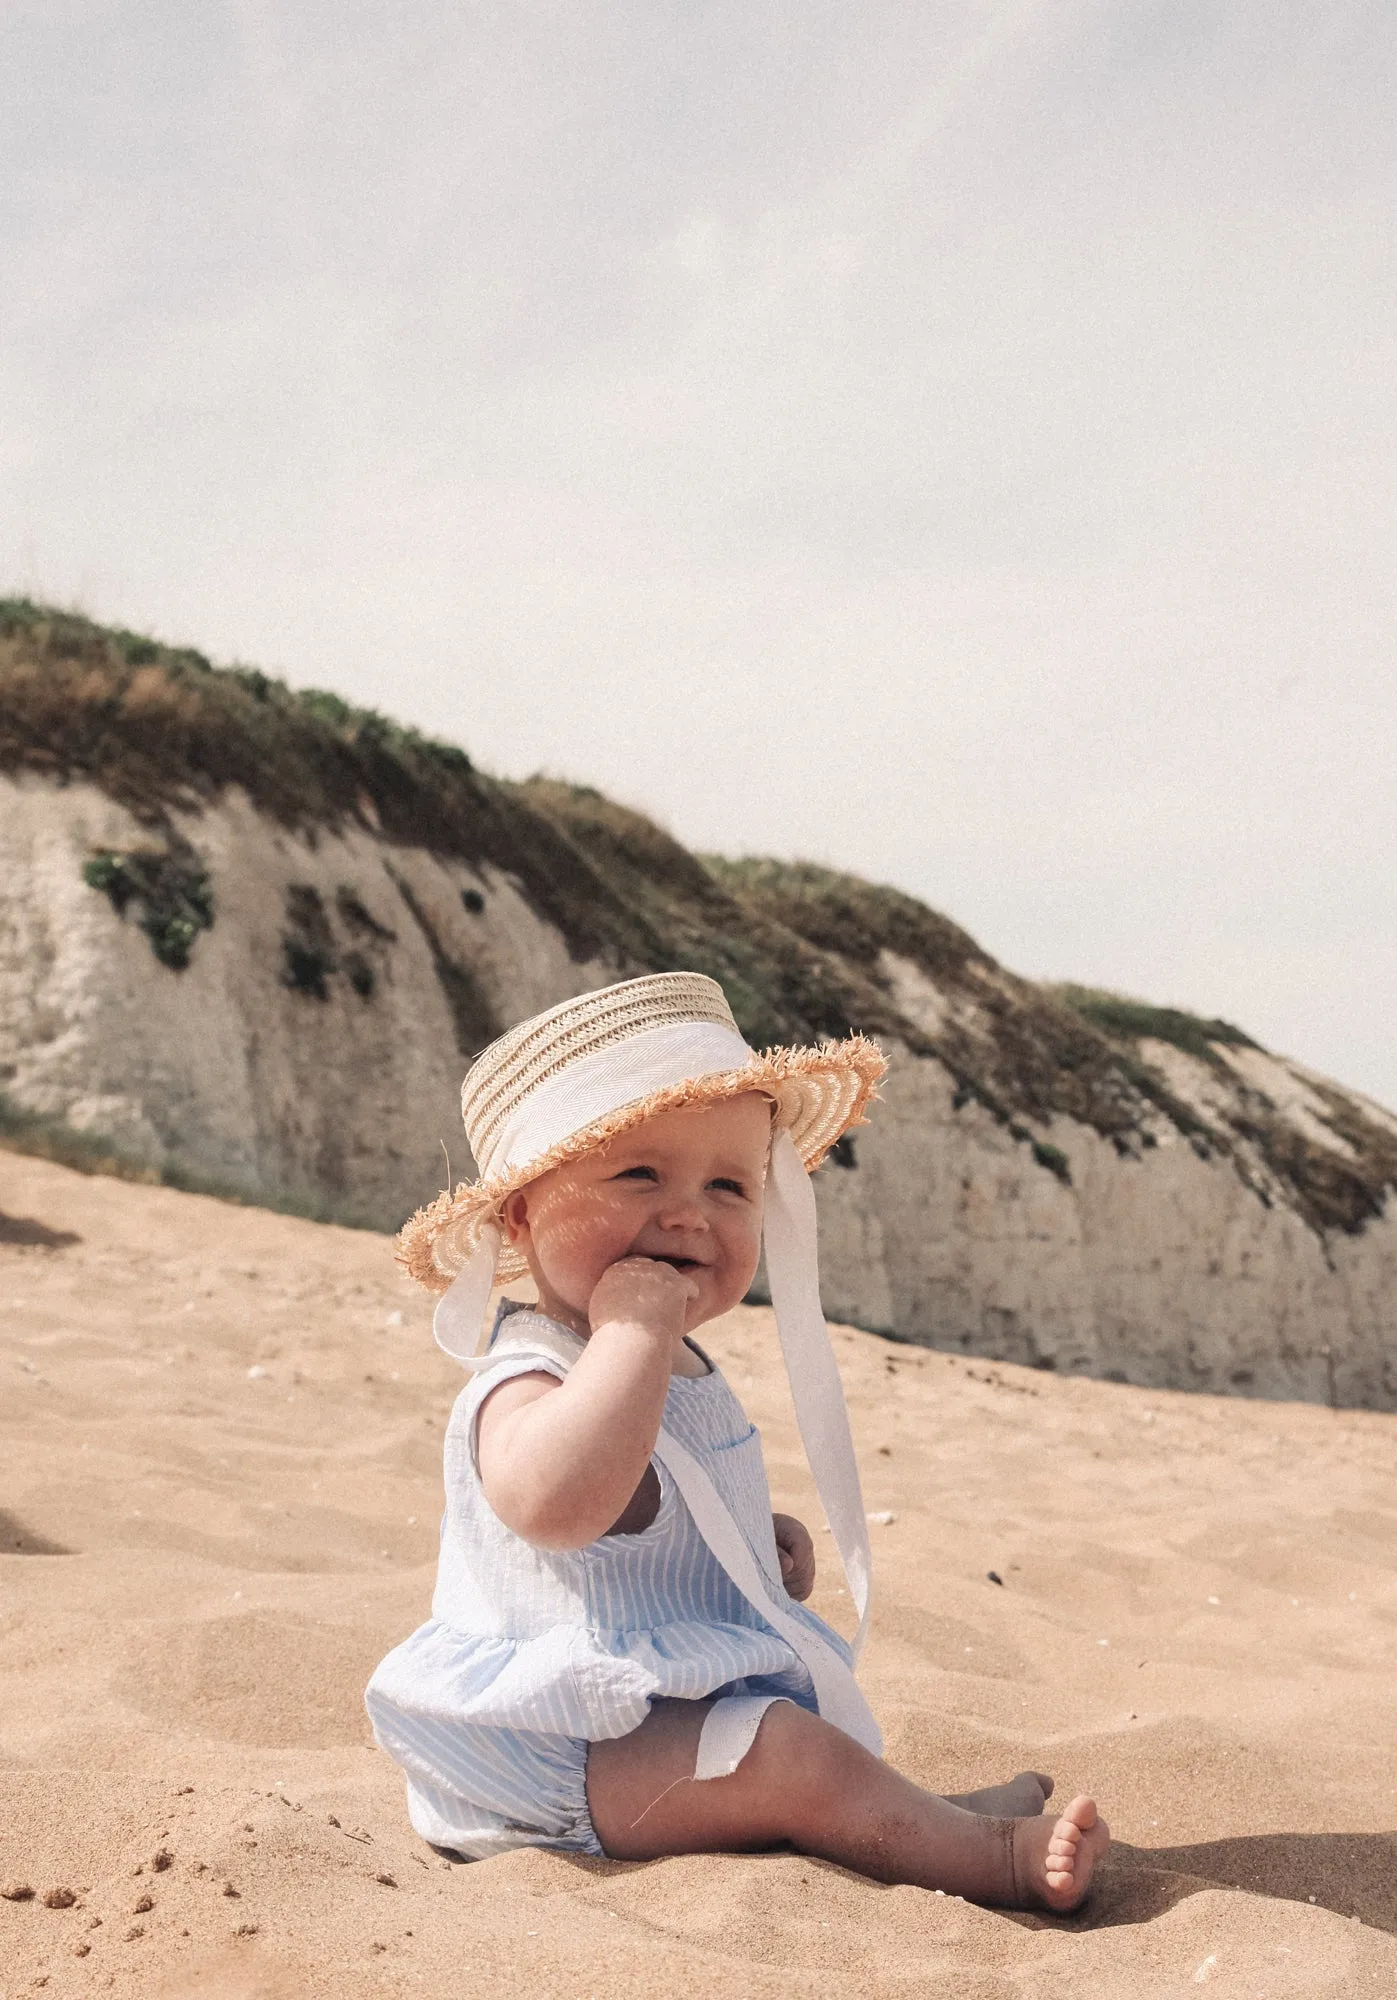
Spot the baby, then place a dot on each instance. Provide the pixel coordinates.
(619, 1660)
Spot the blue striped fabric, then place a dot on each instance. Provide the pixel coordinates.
(530, 1654)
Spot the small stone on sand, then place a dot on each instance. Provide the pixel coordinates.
(16, 1892)
(145, 1903)
(58, 1899)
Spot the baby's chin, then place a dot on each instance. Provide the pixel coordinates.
(709, 1307)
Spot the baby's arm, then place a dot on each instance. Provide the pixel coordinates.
(559, 1461)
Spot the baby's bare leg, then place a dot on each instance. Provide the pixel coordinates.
(1022, 1796)
(806, 1785)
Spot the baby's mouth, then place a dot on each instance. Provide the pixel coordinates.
(681, 1263)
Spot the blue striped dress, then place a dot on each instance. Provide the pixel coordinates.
(531, 1654)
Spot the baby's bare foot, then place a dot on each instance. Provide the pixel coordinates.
(1023, 1796)
(1054, 1858)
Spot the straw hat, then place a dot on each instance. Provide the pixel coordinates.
(570, 1079)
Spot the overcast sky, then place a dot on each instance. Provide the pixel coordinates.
(950, 440)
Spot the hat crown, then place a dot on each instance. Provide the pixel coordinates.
(512, 1068)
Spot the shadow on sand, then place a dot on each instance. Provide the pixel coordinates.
(17, 1540)
(1353, 1874)
(23, 1230)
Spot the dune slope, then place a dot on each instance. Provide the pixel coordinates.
(219, 1433)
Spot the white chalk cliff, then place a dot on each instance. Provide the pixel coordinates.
(216, 986)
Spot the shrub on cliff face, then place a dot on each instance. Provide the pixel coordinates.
(308, 944)
(170, 887)
(312, 953)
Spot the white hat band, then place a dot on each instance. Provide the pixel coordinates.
(607, 1080)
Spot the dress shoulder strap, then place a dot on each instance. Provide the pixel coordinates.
(524, 1333)
(837, 1692)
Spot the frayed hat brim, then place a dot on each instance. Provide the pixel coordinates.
(820, 1093)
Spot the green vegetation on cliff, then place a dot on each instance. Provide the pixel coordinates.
(801, 950)
(1138, 1021)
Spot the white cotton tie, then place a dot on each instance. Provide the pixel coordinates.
(792, 1269)
(459, 1320)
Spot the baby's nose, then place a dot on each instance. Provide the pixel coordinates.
(682, 1212)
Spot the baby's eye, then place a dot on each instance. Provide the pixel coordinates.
(729, 1186)
(636, 1174)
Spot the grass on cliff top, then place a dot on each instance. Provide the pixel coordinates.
(161, 730)
(1117, 1015)
(159, 725)
(844, 914)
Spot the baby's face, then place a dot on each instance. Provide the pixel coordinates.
(684, 1187)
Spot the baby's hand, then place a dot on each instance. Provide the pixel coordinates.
(645, 1293)
(797, 1555)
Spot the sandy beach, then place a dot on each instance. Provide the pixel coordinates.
(218, 1508)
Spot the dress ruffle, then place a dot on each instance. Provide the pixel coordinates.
(568, 1680)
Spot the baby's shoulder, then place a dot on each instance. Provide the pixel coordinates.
(528, 1343)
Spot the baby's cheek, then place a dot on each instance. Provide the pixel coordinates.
(578, 1260)
(568, 1270)
(747, 1253)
